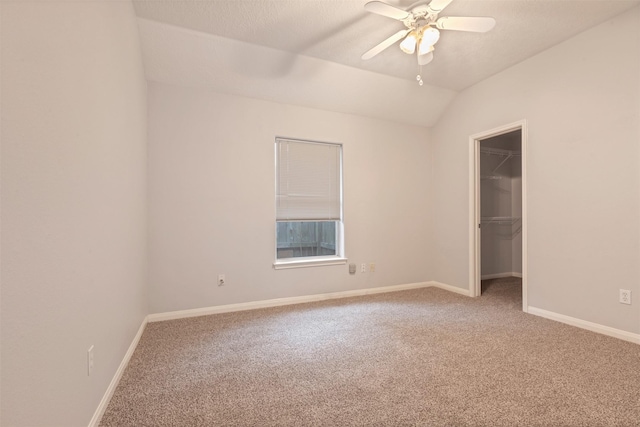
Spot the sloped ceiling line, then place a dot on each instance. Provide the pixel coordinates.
(308, 52)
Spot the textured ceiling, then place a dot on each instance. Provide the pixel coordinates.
(307, 52)
(188, 58)
(340, 31)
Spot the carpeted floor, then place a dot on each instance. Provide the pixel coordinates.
(423, 357)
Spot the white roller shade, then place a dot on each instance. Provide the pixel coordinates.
(308, 181)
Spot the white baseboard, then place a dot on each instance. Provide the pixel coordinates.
(97, 415)
(204, 311)
(501, 275)
(449, 288)
(584, 324)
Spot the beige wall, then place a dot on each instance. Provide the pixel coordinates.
(74, 193)
(73, 205)
(581, 99)
(212, 199)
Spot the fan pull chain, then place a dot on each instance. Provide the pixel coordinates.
(419, 77)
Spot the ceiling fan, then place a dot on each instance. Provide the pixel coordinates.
(422, 27)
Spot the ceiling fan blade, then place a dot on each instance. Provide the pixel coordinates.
(386, 10)
(479, 24)
(425, 59)
(385, 44)
(436, 6)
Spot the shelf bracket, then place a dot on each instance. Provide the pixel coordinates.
(503, 162)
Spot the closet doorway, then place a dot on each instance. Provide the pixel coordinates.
(498, 256)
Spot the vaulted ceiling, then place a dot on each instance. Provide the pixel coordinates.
(308, 52)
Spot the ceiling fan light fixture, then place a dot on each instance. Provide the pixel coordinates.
(422, 52)
(430, 36)
(422, 24)
(408, 45)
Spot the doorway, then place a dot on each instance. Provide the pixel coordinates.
(498, 209)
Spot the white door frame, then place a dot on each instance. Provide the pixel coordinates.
(474, 206)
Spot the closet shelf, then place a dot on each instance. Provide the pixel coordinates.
(507, 154)
(500, 220)
(491, 177)
(499, 152)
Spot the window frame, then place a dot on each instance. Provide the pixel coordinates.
(320, 260)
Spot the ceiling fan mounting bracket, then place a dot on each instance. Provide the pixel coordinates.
(419, 16)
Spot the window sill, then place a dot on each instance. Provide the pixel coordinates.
(317, 262)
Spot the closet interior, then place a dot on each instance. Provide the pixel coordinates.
(501, 207)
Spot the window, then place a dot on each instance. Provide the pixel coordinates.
(308, 203)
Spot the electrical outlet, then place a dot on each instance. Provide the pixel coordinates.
(372, 267)
(90, 361)
(625, 296)
(221, 280)
(363, 268)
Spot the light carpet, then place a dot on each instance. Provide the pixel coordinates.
(424, 357)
